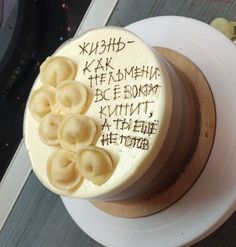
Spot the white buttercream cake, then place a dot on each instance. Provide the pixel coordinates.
(107, 118)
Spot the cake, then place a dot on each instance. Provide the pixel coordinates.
(108, 118)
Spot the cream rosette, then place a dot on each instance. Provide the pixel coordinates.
(42, 102)
(71, 97)
(57, 69)
(62, 170)
(76, 131)
(95, 164)
(48, 129)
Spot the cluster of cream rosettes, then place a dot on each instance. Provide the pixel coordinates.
(59, 107)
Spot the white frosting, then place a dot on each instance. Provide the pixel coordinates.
(132, 101)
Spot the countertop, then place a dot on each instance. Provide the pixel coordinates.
(39, 217)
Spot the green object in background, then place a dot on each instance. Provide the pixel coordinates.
(226, 27)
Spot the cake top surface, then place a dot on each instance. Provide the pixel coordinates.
(124, 90)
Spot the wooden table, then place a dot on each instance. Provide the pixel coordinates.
(39, 217)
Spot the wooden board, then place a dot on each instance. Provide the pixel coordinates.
(193, 78)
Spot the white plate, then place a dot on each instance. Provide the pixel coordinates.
(212, 199)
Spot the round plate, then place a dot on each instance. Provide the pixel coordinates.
(212, 199)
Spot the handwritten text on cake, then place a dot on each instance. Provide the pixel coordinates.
(126, 96)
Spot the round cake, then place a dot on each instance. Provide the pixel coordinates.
(108, 118)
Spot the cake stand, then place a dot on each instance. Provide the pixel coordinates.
(212, 199)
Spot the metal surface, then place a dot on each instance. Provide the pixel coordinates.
(13, 181)
(97, 15)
